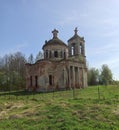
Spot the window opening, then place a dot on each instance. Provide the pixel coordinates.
(56, 54)
(81, 49)
(72, 50)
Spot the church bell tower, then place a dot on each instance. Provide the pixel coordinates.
(76, 45)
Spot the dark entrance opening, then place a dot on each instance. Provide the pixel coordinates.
(36, 81)
(31, 81)
(50, 80)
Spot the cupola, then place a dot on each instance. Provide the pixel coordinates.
(55, 49)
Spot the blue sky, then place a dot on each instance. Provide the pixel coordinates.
(26, 24)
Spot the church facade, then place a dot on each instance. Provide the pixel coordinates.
(63, 66)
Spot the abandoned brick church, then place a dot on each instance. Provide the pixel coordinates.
(63, 66)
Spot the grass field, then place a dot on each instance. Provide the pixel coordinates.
(92, 108)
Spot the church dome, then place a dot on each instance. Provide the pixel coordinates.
(55, 49)
(55, 41)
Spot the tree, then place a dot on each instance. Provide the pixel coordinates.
(106, 75)
(93, 76)
(39, 56)
(12, 71)
(31, 59)
(1, 62)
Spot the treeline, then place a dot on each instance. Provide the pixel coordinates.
(12, 70)
(101, 76)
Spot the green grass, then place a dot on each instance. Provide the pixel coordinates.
(88, 109)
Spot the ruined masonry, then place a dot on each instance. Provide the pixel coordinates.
(63, 66)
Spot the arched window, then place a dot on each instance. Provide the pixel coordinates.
(56, 54)
(81, 49)
(72, 50)
(46, 54)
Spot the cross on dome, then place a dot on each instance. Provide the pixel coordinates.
(55, 32)
(76, 30)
